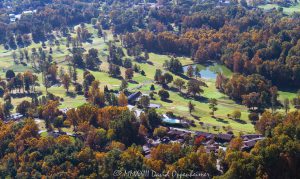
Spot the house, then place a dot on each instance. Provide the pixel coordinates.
(206, 135)
(146, 149)
(249, 144)
(133, 98)
(54, 134)
(176, 134)
(12, 17)
(64, 110)
(27, 12)
(15, 116)
(211, 148)
(251, 136)
(224, 137)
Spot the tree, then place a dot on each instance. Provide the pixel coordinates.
(146, 55)
(164, 95)
(158, 74)
(23, 107)
(253, 117)
(88, 79)
(95, 96)
(252, 100)
(2, 114)
(190, 71)
(123, 85)
(160, 131)
(213, 106)
(173, 65)
(114, 70)
(143, 131)
(144, 101)
(92, 59)
(267, 121)
(236, 144)
(168, 78)
(49, 112)
(179, 83)
(194, 87)
(152, 87)
(122, 100)
(127, 63)
(78, 88)
(129, 74)
(236, 114)
(191, 107)
(1, 91)
(7, 107)
(104, 35)
(29, 81)
(153, 118)
(58, 123)
(74, 74)
(286, 105)
(66, 81)
(274, 95)
(10, 74)
(197, 72)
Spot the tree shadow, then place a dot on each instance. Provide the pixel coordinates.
(22, 95)
(167, 100)
(71, 94)
(173, 89)
(117, 77)
(201, 99)
(182, 76)
(90, 41)
(150, 63)
(133, 82)
(195, 117)
(221, 120)
(240, 121)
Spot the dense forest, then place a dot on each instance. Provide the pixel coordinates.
(247, 43)
(107, 145)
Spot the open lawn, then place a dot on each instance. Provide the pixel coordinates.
(287, 10)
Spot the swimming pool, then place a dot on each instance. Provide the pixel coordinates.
(169, 120)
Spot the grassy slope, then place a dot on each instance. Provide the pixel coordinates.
(179, 104)
(289, 10)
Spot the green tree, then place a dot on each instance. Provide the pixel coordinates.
(123, 85)
(197, 72)
(66, 81)
(194, 87)
(163, 94)
(236, 114)
(213, 106)
(179, 83)
(144, 101)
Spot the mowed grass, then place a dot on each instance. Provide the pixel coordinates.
(179, 104)
(287, 10)
(59, 54)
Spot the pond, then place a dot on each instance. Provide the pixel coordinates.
(211, 72)
(169, 120)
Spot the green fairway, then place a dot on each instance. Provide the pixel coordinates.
(287, 10)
